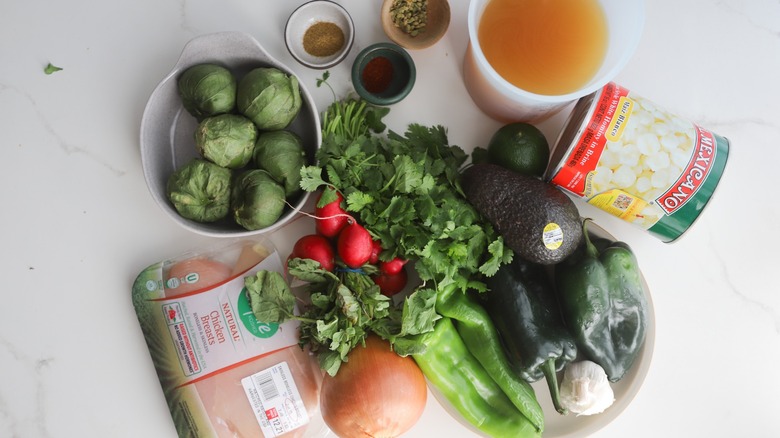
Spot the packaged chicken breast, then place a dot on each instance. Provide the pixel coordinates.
(223, 372)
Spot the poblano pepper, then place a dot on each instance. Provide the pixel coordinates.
(460, 378)
(521, 302)
(602, 300)
(483, 341)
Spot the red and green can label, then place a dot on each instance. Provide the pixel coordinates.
(642, 163)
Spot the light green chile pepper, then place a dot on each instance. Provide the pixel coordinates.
(462, 380)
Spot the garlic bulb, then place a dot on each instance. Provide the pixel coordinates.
(585, 389)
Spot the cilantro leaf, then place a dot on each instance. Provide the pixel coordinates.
(409, 174)
(329, 194)
(50, 68)
(427, 185)
(323, 79)
(419, 314)
(374, 118)
(499, 255)
(311, 178)
(358, 200)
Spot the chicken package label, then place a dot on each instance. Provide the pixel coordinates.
(207, 347)
(275, 400)
(214, 327)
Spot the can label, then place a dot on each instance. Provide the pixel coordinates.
(641, 163)
(693, 175)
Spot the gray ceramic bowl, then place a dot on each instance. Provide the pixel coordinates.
(167, 129)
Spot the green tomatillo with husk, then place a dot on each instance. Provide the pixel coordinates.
(200, 190)
(269, 97)
(281, 154)
(257, 200)
(206, 90)
(227, 140)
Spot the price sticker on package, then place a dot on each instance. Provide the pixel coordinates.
(275, 400)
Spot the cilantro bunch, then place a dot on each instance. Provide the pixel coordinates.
(405, 190)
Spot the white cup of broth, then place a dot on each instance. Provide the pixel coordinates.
(528, 59)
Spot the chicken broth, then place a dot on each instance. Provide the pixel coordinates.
(548, 47)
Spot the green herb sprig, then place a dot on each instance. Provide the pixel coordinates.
(344, 307)
(50, 68)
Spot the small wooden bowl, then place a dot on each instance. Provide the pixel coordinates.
(438, 20)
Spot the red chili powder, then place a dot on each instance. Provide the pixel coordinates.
(377, 74)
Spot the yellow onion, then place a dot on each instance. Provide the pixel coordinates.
(376, 393)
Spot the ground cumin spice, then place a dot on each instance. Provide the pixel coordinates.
(377, 74)
(323, 39)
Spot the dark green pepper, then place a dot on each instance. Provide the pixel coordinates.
(457, 375)
(521, 302)
(483, 341)
(602, 299)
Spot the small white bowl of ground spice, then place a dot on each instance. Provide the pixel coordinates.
(319, 34)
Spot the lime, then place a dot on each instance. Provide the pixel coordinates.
(520, 147)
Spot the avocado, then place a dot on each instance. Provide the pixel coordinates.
(538, 221)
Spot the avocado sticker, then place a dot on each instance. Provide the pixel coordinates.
(255, 327)
(552, 236)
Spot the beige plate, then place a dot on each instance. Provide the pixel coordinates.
(437, 24)
(571, 426)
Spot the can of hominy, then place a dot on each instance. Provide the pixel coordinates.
(625, 155)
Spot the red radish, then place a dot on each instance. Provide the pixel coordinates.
(354, 245)
(376, 248)
(315, 247)
(393, 266)
(391, 284)
(331, 218)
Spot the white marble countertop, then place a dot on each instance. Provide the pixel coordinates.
(77, 223)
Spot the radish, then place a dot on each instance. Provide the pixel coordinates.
(376, 248)
(391, 284)
(331, 218)
(354, 245)
(317, 248)
(393, 266)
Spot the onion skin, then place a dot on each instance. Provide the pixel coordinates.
(377, 393)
